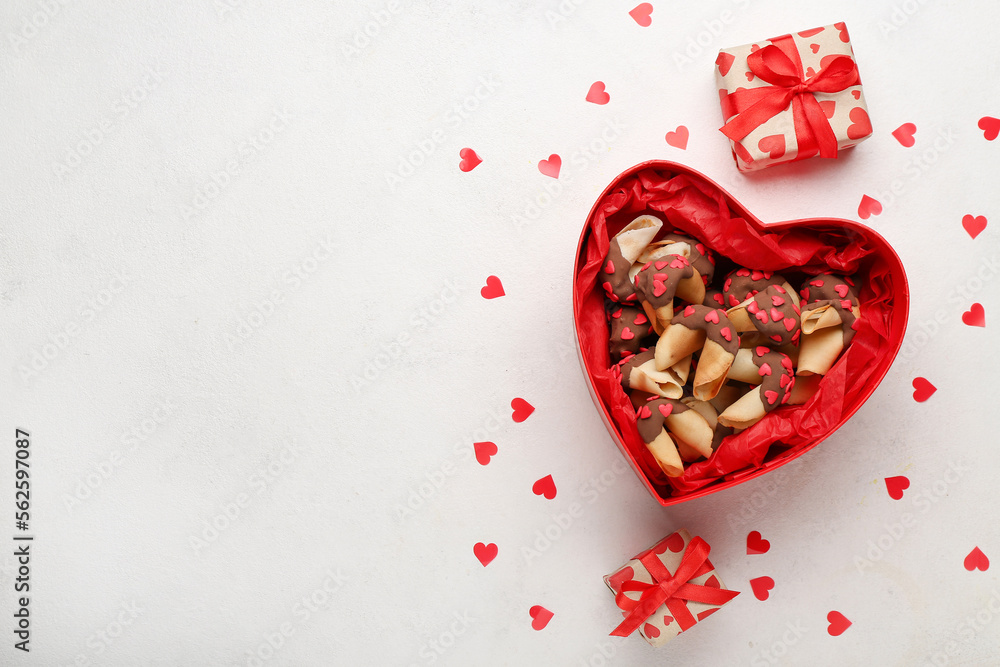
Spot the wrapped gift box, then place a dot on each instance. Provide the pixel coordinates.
(668, 588)
(792, 97)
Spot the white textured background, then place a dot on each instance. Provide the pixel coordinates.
(200, 243)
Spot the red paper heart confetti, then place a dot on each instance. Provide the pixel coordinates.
(540, 617)
(485, 552)
(641, 14)
(861, 124)
(773, 145)
(545, 487)
(977, 560)
(757, 544)
(596, 94)
(725, 62)
(896, 485)
(678, 138)
(522, 409)
(868, 207)
(761, 587)
(469, 159)
(975, 316)
(838, 623)
(493, 288)
(551, 166)
(974, 225)
(922, 389)
(990, 127)
(904, 134)
(484, 450)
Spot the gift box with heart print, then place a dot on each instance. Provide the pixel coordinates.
(667, 589)
(696, 206)
(792, 97)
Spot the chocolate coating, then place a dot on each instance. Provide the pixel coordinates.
(629, 326)
(777, 373)
(650, 417)
(616, 284)
(657, 280)
(627, 364)
(714, 298)
(714, 322)
(702, 259)
(835, 291)
(774, 313)
(742, 283)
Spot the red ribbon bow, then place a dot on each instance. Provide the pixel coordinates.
(778, 64)
(668, 589)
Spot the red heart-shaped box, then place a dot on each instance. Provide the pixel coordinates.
(695, 205)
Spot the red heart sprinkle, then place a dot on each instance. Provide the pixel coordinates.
(678, 263)
(661, 264)
(765, 369)
(627, 334)
(771, 396)
(689, 311)
(896, 485)
(640, 319)
(726, 333)
(790, 323)
(659, 288)
(975, 316)
(665, 409)
(841, 290)
(712, 316)
(645, 412)
(776, 315)
(761, 350)
(609, 268)
(777, 300)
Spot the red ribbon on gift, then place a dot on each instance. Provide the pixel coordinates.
(779, 64)
(670, 589)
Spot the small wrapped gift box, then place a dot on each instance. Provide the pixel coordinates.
(667, 589)
(792, 97)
